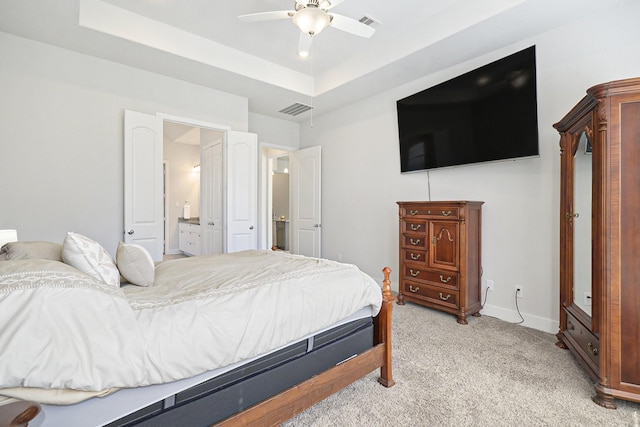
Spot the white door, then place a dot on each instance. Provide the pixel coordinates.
(211, 199)
(305, 202)
(143, 199)
(242, 191)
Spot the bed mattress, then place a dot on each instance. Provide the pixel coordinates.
(67, 332)
(217, 394)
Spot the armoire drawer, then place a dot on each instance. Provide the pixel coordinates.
(434, 294)
(586, 341)
(437, 278)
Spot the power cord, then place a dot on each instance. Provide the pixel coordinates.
(518, 309)
(486, 294)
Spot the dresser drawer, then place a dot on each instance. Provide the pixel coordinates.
(437, 278)
(586, 341)
(417, 211)
(414, 256)
(414, 241)
(434, 294)
(414, 226)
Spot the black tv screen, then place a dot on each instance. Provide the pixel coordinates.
(484, 115)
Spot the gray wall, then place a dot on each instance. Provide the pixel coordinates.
(361, 178)
(61, 147)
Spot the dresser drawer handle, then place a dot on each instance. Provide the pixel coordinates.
(446, 213)
(417, 288)
(414, 273)
(443, 298)
(442, 279)
(413, 212)
(414, 242)
(415, 227)
(592, 349)
(414, 256)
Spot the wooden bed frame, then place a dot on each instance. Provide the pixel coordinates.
(283, 406)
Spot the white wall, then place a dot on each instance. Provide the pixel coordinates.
(61, 148)
(275, 132)
(361, 178)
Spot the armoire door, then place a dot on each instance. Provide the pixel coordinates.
(443, 243)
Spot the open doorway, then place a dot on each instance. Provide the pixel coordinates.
(275, 204)
(188, 200)
(280, 203)
(304, 212)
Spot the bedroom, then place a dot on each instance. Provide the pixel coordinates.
(62, 144)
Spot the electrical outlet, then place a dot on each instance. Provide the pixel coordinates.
(519, 291)
(490, 285)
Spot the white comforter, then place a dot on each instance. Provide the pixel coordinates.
(61, 329)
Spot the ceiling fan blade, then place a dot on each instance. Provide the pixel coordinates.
(351, 26)
(329, 4)
(267, 16)
(304, 45)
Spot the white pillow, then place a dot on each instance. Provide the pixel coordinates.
(135, 264)
(89, 257)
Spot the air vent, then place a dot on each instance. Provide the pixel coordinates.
(295, 109)
(367, 20)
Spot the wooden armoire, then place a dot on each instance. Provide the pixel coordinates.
(600, 238)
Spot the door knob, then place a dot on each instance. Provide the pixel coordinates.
(210, 223)
(130, 231)
(251, 227)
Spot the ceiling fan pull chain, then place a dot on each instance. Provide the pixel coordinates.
(313, 92)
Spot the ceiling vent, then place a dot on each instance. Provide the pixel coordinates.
(295, 109)
(367, 20)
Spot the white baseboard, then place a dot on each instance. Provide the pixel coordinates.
(531, 321)
(173, 252)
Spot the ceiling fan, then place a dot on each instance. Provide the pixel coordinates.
(311, 17)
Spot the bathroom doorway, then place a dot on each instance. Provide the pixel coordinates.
(280, 202)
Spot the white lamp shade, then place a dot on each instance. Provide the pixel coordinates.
(7, 236)
(311, 20)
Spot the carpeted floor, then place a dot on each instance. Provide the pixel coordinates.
(487, 373)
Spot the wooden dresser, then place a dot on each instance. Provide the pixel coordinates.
(599, 238)
(440, 256)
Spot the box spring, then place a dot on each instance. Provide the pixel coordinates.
(236, 390)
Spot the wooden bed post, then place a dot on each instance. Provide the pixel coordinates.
(383, 329)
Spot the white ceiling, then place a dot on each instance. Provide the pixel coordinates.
(204, 42)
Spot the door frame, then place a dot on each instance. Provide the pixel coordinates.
(187, 121)
(268, 152)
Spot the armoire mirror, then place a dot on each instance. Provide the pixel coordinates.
(582, 191)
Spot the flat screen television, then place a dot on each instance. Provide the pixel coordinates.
(487, 114)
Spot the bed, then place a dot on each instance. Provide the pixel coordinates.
(295, 330)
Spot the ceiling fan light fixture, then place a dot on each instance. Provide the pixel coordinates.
(311, 20)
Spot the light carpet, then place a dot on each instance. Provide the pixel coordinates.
(487, 373)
